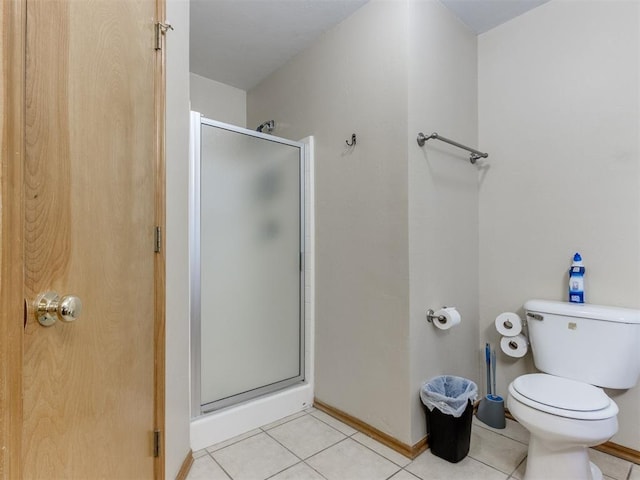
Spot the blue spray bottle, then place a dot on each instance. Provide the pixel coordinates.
(576, 280)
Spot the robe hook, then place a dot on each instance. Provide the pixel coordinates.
(353, 140)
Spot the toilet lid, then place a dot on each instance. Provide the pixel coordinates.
(561, 393)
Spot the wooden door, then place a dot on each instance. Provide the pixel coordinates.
(90, 209)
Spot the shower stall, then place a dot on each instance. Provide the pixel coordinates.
(248, 235)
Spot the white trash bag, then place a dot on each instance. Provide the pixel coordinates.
(448, 394)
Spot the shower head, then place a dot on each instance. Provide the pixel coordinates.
(267, 127)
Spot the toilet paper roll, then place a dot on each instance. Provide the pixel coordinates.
(516, 347)
(509, 324)
(451, 318)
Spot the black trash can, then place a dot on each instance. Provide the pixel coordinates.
(448, 402)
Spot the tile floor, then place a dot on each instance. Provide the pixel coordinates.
(311, 445)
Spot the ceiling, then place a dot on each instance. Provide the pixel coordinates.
(240, 42)
(483, 15)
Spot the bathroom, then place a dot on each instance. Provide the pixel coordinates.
(553, 97)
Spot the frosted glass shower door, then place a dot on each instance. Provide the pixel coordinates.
(251, 281)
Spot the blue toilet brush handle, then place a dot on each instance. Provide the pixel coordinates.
(487, 354)
(493, 372)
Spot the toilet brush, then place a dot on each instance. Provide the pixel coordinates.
(487, 357)
(491, 408)
(493, 372)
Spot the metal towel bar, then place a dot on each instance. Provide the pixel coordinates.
(475, 154)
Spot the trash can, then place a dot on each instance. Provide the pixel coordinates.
(449, 411)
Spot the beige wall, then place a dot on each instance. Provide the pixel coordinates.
(354, 80)
(386, 248)
(176, 437)
(557, 103)
(218, 101)
(559, 114)
(443, 198)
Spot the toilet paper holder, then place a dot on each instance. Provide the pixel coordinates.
(431, 316)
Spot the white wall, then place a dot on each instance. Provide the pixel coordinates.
(397, 225)
(558, 107)
(218, 101)
(443, 198)
(354, 80)
(559, 114)
(177, 302)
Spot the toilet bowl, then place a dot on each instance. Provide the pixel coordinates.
(564, 417)
(579, 347)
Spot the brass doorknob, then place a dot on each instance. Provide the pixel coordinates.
(49, 307)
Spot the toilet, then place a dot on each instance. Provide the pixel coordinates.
(580, 348)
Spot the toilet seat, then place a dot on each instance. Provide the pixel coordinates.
(563, 397)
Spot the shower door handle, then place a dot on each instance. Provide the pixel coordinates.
(49, 307)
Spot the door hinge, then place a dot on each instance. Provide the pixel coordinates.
(158, 240)
(157, 440)
(161, 30)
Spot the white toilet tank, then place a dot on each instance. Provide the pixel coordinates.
(591, 343)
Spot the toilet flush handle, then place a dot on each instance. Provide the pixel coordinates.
(535, 316)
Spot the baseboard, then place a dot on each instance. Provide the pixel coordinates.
(186, 466)
(620, 451)
(412, 451)
(610, 448)
(409, 451)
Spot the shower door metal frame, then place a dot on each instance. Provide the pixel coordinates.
(197, 409)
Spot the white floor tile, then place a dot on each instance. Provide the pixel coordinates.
(403, 475)
(429, 467)
(283, 420)
(496, 450)
(306, 436)
(512, 430)
(335, 423)
(261, 454)
(301, 471)
(200, 453)
(350, 460)
(204, 468)
(255, 458)
(611, 466)
(231, 441)
(616, 468)
(518, 474)
(383, 450)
